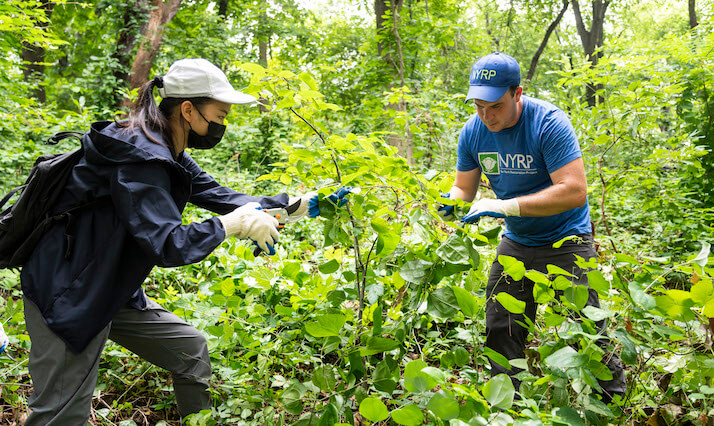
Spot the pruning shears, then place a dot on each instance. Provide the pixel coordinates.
(282, 216)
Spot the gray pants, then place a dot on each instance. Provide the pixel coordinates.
(505, 335)
(64, 381)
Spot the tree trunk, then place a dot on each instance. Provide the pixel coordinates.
(223, 8)
(692, 14)
(402, 139)
(544, 42)
(263, 36)
(592, 40)
(33, 58)
(152, 33)
(134, 12)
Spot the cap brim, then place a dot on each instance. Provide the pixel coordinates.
(235, 97)
(485, 93)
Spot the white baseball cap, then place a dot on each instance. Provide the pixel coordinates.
(198, 78)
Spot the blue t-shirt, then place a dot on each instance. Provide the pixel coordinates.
(518, 161)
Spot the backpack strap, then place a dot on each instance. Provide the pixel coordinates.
(54, 140)
(9, 195)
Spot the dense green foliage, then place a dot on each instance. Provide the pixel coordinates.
(374, 313)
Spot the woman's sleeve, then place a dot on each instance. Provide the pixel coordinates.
(141, 194)
(210, 195)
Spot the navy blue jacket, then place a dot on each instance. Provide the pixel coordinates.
(116, 245)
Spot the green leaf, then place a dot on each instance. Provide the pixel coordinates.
(467, 301)
(577, 295)
(329, 267)
(499, 392)
(542, 293)
(376, 344)
(597, 314)
(387, 243)
(512, 267)
(415, 271)
(373, 409)
(309, 80)
(557, 270)
(703, 256)
(442, 303)
(702, 292)
(384, 378)
(598, 282)
(326, 325)
(414, 380)
(453, 250)
(252, 68)
(324, 378)
(228, 287)
(677, 311)
(410, 415)
(641, 299)
(559, 243)
(511, 304)
(565, 358)
(461, 356)
(443, 405)
(435, 373)
(570, 416)
(497, 358)
(624, 258)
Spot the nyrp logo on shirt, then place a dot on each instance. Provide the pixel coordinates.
(493, 163)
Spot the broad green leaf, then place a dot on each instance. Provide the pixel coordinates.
(326, 325)
(641, 299)
(708, 310)
(499, 391)
(577, 295)
(597, 314)
(557, 270)
(228, 287)
(497, 358)
(624, 258)
(329, 267)
(410, 415)
(373, 409)
(252, 68)
(443, 405)
(387, 242)
(565, 358)
(703, 256)
(383, 378)
(598, 282)
(559, 243)
(414, 380)
(453, 250)
(309, 80)
(542, 293)
(435, 373)
(537, 277)
(570, 416)
(512, 267)
(324, 378)
(376, 344)
(467, 301)
(702, 291)
(461, 356)
(674, 310)
(511, 304)
(442, 303)
(415, 271)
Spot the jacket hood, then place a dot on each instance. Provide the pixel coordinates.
(109, 144)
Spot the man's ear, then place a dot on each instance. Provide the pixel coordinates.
(519, 92)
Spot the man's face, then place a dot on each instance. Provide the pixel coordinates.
(503, 113)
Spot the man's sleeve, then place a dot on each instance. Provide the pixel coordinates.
(559, 143)
(143, 203)
(465, 160)
(210, 195)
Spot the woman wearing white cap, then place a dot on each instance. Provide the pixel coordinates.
(82, 284)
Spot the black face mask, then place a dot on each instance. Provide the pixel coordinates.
(210, 139)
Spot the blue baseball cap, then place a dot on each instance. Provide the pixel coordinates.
(491, 76)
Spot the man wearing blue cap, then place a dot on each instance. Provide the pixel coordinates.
(528, 150)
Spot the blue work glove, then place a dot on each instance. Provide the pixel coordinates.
(446, 211)
(492, 208)
(338, 198)
(3, 339)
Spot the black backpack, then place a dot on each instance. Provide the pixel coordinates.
(25, 221)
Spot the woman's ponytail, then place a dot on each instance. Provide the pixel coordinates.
(147, 116)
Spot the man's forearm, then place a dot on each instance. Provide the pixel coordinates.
(552, 200)
(458, 193)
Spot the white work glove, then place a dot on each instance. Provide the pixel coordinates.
(493, 208)
(301, 204)
(250, 221)
(3, 339)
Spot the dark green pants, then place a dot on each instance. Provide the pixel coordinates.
(64, 381)
(506, 336)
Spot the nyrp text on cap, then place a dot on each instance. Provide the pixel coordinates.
(491, 76)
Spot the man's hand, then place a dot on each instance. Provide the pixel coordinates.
(446, 211)
(3, 339)
(250, 221)
(493, 208)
